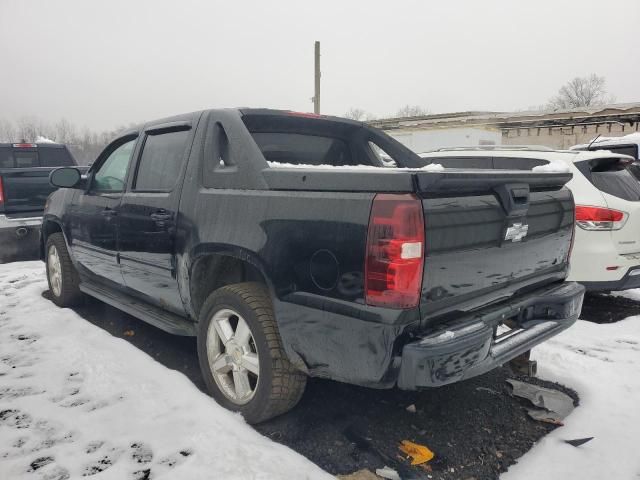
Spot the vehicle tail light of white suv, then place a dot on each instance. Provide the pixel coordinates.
(600, 218)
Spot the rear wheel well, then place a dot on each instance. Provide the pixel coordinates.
(211, 272)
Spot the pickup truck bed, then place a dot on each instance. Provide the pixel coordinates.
(375, 275)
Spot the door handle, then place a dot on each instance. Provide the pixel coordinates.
(160, 216)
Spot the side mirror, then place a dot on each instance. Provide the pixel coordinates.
(65, 177)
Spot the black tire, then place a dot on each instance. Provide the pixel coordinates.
(69, 293)
(280, 385)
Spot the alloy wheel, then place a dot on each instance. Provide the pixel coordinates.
(54, 270)
(233, 356)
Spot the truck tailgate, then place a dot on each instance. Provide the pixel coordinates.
(25, 190)
(491, 234)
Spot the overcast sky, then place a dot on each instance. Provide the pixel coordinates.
(112, 62)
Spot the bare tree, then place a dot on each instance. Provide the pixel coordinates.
(582, 92)
(355, 113)
(85, 144)
(411, 111)
(7, 131)
(27, 129)
(65, 131)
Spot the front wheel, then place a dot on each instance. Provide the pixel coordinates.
(242, 359)
(61, 274)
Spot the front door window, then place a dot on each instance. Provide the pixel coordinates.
(111, 175)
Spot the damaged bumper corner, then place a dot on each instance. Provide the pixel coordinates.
(471, 347)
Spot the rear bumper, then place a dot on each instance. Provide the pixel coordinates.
(631, 279)
(471, 347)
(13, 223)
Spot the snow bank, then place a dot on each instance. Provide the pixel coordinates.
(44, 140)
(76, 401)
(552, 167)
(602, 363)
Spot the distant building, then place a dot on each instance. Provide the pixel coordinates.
(556, 129)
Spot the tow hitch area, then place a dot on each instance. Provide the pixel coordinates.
(473, 346)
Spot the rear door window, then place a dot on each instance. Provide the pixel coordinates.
(614, 178)
(162, 157)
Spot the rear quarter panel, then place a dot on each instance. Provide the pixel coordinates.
(311, 248)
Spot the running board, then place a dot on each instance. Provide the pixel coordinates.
(169, 322)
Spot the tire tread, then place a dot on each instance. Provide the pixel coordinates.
(287, 383)
(70, 294)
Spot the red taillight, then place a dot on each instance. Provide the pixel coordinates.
(1, 192)
(599, 218)
(597, 214)
(304, 114)
(25, 145)
(395, 251)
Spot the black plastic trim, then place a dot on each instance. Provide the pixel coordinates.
(625, 283)
(157, 317)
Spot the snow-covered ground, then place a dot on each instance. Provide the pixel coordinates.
(77, 401)
(602, 363)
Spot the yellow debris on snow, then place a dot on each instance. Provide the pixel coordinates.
(419, 453)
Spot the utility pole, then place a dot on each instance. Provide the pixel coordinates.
(316, 95)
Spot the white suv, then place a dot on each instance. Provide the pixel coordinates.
(606, 251)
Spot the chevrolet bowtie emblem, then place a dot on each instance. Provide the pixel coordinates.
(516, 232)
